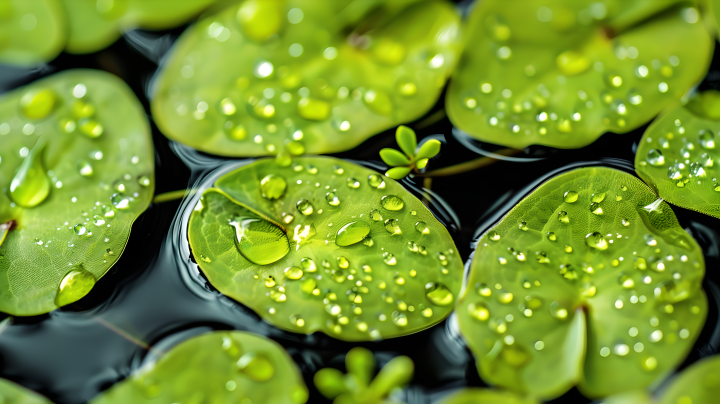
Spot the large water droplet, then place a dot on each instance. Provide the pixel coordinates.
(597, 241)
(73, 286)
(332, 199)
(392, 227)
(80, 229)
(256, 367)
(674, 172)
(30, 185)
(570, 197)
(392, 202)
(37, 104)
(260, 241)
(655, 158)
(707, 139)
(273, 186)
(438, 294)
(352, 233)
(305, 207)
(479, 311)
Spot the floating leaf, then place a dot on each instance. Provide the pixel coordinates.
(700, 383)
(304, 76)
(589, 280)
(561, 73)
(96, 24)
(31, 32)
(478, 395)
(217, 367)
(76, 167)
(13, 393)
(679, 157)
(346, 250)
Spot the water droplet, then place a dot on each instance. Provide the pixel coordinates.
(293, 273)
(399, 319)
(338, 170)
(479, 311)
(84, 168)
(256, 367)
(74, 285)
(597, 241)
(649, 363)
(614, 80)
(558, 311)
(378, 102)
(571, 196)
(438, 294)
(98, 220)
(392, 227)
(376, 181)
(120, 201)
(90, 128)
(551, 236)
(493, 235)
(270, 281)
(674, 172)
(352, 233)
(392, 203)
(305, 207)
(375, 215)
(389, 258)
(568, 249)
(37, 104)
(273, 186)
(353, 183)
(313, 109)
(596, 209)
(260, 241)
(523, 226)
(421, 227)
(655, 158)
(332, 199)
(563, 217)
(634, 97)
(650, 240)
(80, 229)
(673, 290)
(707, 139)
(625, 222)
(504, 297)
(144, 181)
(30, 185)
(572, 63)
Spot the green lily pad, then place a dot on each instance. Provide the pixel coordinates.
(589, 280)
(12, 393)
(93, 25)
(485, 396)
(698, 384)
(326, 245)
(217, 367)
(76, 169)
(266, 78)
(31, 32)
(679, 157)
(562, 73)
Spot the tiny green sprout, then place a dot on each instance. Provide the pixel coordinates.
(357, 386)
(413, 159)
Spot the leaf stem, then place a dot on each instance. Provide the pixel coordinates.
(173, 195)
(468, 165)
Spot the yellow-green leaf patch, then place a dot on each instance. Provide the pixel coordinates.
(588, 281)
(12, 393)
(289, 77)
(217, 367)
(76, 169)
(679, 157)
(326, 245)
(31, 32)
(561, 73)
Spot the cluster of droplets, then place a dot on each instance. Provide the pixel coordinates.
(341, 283)
(694, 161)
(274, 105)
(532, 113)
(655, 279)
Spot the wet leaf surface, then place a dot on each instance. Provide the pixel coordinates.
(589, 280)
(217, 367)
(700, 383)
(326, 245)
(562, 73)
(485, 396)
(265, 78)
(31, 32)
(95, 25)
(76, 169)
(13, 393)
(679, 157)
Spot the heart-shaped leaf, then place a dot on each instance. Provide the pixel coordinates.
(321, 76)
(31, 32)
(561, 73)
(326, 245)
(12, 393)
(76, 169)
(700, 383)
(679, 157)
(93, 25)
(589, 280)
(485, 396)
(217, 367)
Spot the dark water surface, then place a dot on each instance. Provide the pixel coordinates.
(155, 297)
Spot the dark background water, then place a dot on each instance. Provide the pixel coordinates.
(154, 296)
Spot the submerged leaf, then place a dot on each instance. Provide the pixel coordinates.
(31, 32)
(475, 395)
(217, 367)
(315, 76)
(679, 157)
(366, 260)
(93, 25)
(589, 280)
(561, 73)
(12, 393)
(76, 167)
